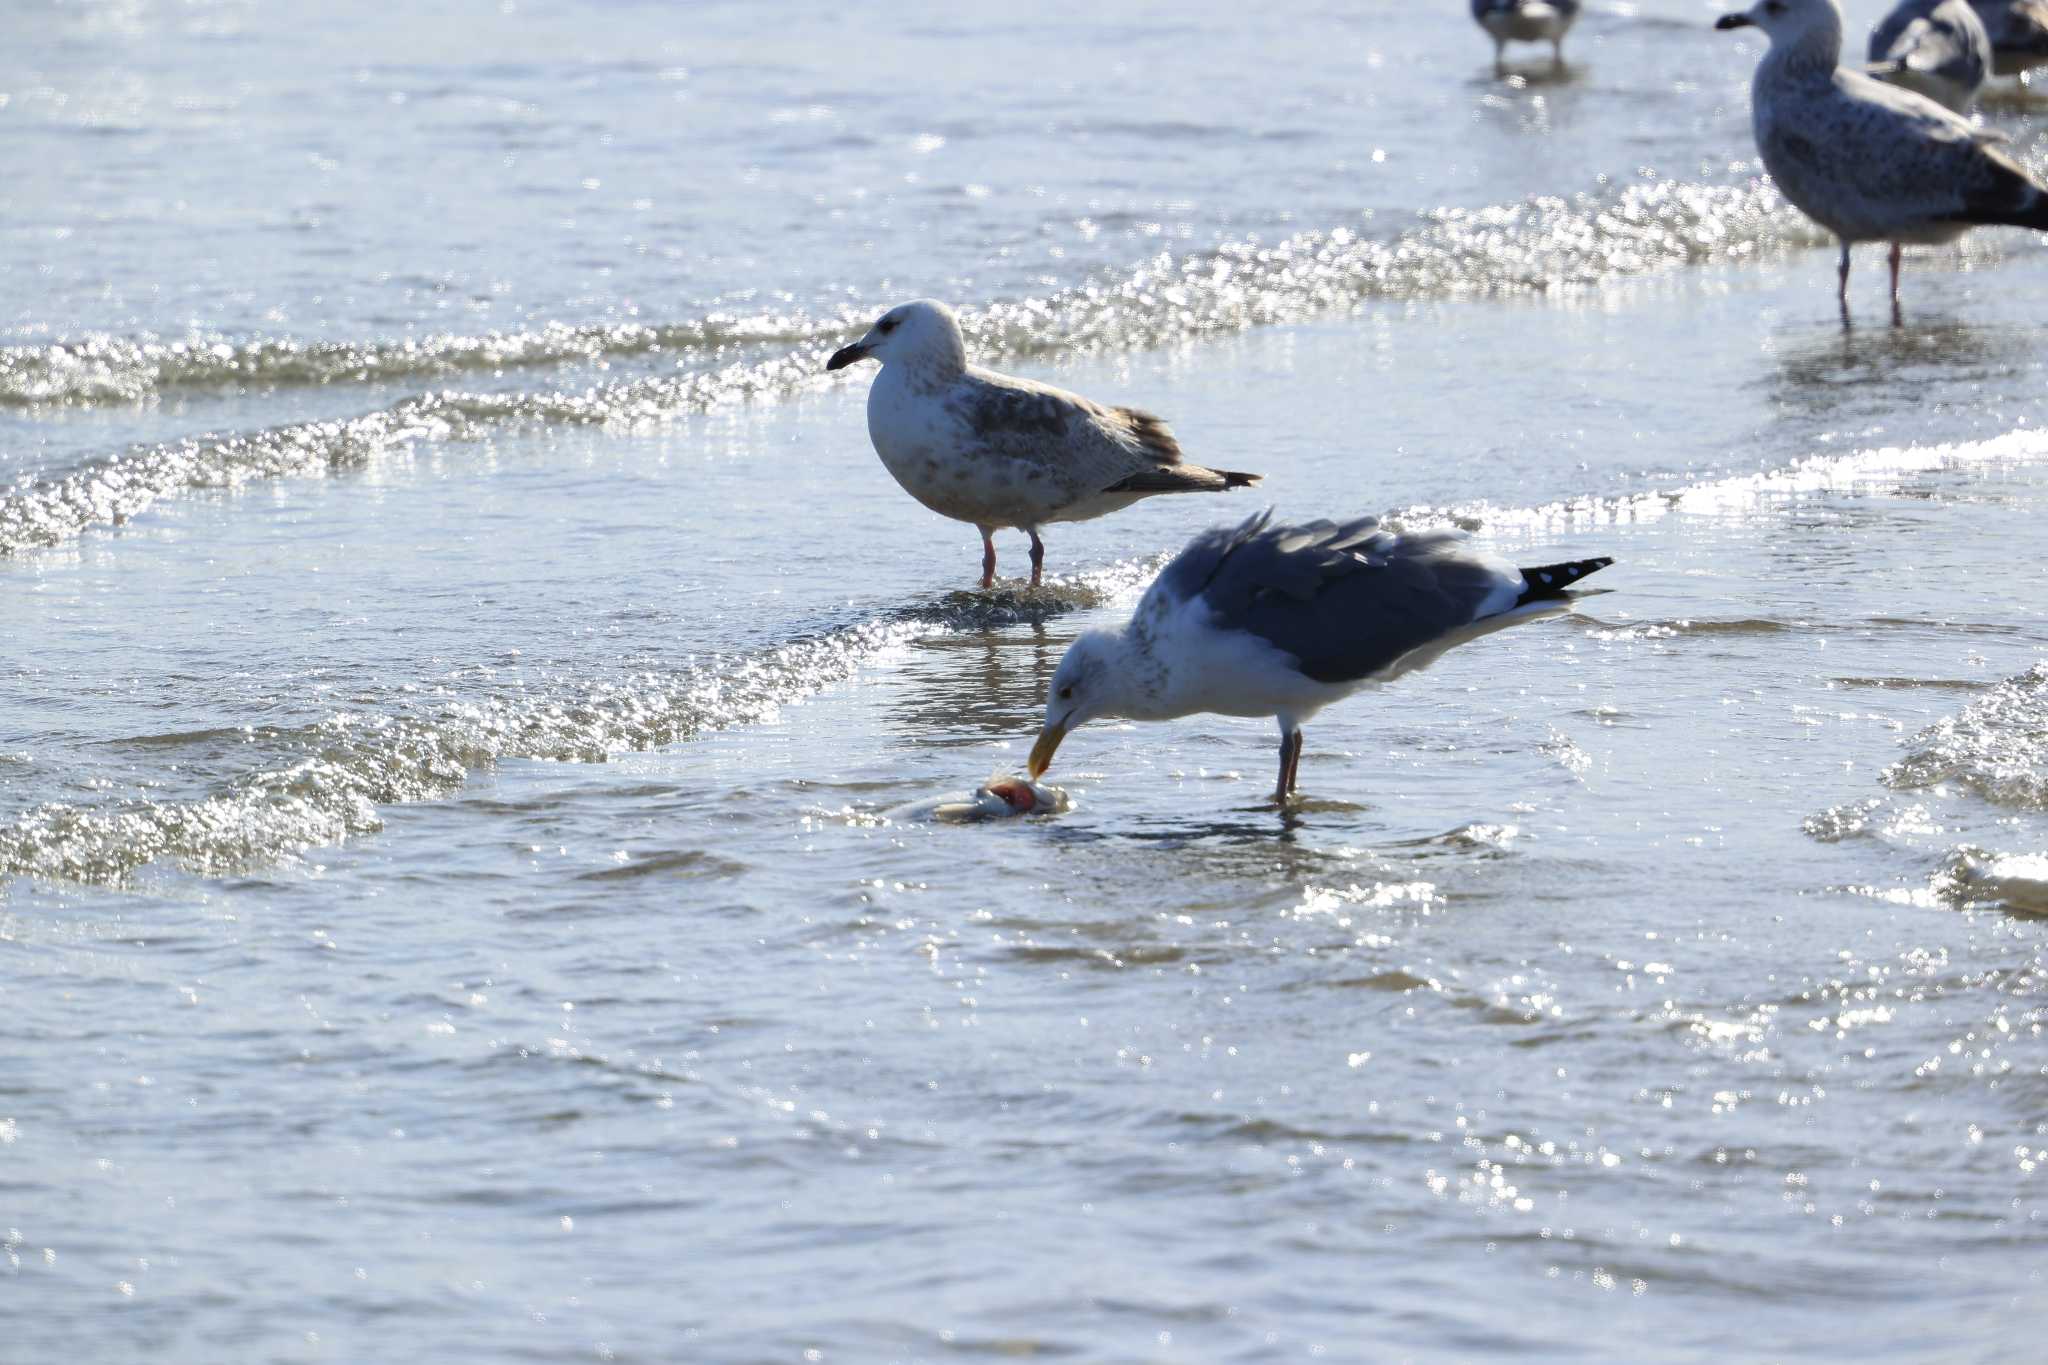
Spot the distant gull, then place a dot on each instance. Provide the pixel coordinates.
(1264, 620)
(2019, 33)
(1936, 47)
(1868, 161)
(991, 450)
(1525, 21)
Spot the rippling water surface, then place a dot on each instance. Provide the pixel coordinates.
(471, 701)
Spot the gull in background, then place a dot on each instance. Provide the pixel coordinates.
(1868, 161)
(1936, 47)
(993, 451)
(2019, 34)
(1525, 21)
(1281, 621)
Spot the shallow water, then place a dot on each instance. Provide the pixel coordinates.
(473, 698)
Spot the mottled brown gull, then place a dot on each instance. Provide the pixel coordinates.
(995, 451)
(1281, 621)
(1868, 161)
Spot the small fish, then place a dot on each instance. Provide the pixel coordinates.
(1003, 797)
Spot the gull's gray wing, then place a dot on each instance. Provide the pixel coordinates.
(1353, 600)
(1482, 8)
(1869, 160)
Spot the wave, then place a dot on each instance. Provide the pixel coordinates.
(1997, 746)
(102, 369)
(1875, 469)
(332, 778)
(1535, 246)
(341, 771)
(1539, 245)
(2014, 882)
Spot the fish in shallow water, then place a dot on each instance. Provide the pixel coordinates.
(1001, 798)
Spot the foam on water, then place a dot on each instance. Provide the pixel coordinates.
(102, 369)
(1996, 747)
(1862, 471)
(1993, 752)
(2015, 882)
(423, 745)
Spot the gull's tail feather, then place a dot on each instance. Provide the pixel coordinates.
(1183, 478)
(2035, 215)
(2030, 213)
(2012, 198)
(1548, 582)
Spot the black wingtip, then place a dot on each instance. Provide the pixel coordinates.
(1547, 582)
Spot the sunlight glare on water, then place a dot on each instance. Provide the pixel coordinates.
(470, 877)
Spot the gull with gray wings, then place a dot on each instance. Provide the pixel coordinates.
(1281, 621)
(1936, 47)
(996, 451)
(1868, 161)
(1525, 21)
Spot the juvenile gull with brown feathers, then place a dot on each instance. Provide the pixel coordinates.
(993, 451)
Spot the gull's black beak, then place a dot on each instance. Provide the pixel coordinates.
(846, 355)
(1728, 21)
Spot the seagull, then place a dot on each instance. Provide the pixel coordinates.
(1869, 161)
(1525, 21)
(992, 450)
(1280, 621)
(2019, 33)
(1937, 47)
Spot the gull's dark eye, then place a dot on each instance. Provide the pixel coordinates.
(886, 326)
(1773, 7)
(1066, 694)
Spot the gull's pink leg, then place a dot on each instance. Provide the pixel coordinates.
(1037, 557)
(1842, 291)
(988, 558)
(1290, 761)
(1897, 252)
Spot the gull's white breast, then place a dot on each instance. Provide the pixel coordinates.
(1525, 23)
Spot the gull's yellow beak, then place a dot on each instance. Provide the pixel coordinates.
(1048, 741)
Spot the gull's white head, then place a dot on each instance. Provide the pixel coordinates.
(1792, 23)
(922, 335)
(1089, 682)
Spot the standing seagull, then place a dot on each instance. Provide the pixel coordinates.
(991, 450)
(1280, 621)
(1937, 47)
(1525, 21)
(2019, 34)
(1867, 161)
